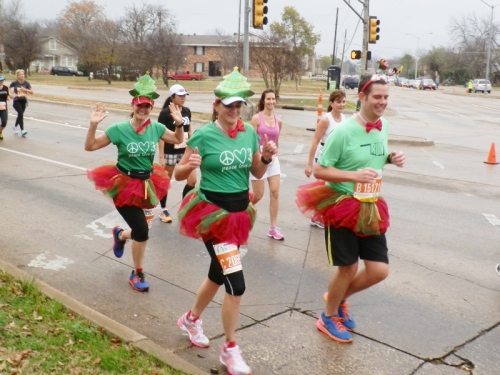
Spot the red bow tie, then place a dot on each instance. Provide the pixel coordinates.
(370, 126)
(233, 133)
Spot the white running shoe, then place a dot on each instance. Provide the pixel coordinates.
(317, 224)
(232, 359)
(194, 330)
(24, 133)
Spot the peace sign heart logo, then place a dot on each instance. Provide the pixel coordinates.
(144, 147)
(241, 155)
(132, 148)
(226, 158)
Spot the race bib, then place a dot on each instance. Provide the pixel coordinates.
(3, 106)
(150, 216)
(183, 144)
(368, 192)
(228, 257)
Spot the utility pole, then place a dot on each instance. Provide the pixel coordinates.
(246, 43)
(239, 36)
(365, 17)
(335, 36)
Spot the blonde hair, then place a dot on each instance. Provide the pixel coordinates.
(19, 71)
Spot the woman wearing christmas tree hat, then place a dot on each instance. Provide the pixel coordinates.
(219, 211)
(134, 183)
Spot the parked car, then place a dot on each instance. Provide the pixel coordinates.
(416, 83)
(481, 85)
(351, 82)
(185, 76)
(320, 77)
(402, 82)
(427, 84)
(64, 71)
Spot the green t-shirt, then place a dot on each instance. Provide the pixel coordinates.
(350, 148)
(226, 162)
(135, 151)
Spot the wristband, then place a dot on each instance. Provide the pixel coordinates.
(265, 161)
(179, 126)
(389, 159)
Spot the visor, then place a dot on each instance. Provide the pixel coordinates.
(231, 100)
(143, 100)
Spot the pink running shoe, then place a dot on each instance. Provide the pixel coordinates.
(232, 359)
(194, 330)
(275, 233)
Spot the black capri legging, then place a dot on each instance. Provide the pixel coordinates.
(234, 282)
(3, 118)
(20, 106)
(136, 220)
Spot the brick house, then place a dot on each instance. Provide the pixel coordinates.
(213, 55)
(54, 53)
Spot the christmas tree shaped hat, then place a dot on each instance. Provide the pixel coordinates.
(144, 91)
(234, 88)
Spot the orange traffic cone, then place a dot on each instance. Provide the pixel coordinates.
(492, 157)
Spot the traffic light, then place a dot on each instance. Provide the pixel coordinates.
(373, 30)
(259, 12)
(368, 55)
(355, 54)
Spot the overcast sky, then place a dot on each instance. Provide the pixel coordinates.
(397, 19)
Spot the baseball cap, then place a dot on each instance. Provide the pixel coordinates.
(143, 100)
(233, 99)
(2, 78)
(177, 90)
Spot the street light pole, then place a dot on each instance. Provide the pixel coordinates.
(489, 41)
(416, 56)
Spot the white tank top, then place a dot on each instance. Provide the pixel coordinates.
(332, 124)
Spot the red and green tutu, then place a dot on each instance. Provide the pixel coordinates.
(320, 202)
(127, 191)
(204, 220)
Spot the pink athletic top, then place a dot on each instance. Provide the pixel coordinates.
(272, 132)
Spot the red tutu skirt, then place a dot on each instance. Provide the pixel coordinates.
(127, 191)
(200, 219)
(321, 203)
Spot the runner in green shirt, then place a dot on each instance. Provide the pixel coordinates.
(134, 183)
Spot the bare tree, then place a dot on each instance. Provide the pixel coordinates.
(472, 36)
(82, 26)
(22, 44)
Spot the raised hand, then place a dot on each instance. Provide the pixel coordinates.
(269, 148)
(175, 112)
(194, 159)
(98, 113)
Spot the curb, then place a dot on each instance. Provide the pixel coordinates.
(125, 333)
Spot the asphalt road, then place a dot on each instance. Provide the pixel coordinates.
(437, 313)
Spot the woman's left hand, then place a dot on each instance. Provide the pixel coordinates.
(269, 148)
(175, 112)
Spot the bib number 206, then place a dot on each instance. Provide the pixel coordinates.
(228, 257)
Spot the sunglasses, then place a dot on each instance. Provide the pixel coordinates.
(233, 105)
(147, 106)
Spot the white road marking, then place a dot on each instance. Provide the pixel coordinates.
(107, 222)
(492, 219)
(438, 164)
(441, 109)
(55, 264)
(83, 236)
(298, 149)
(44, 159)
